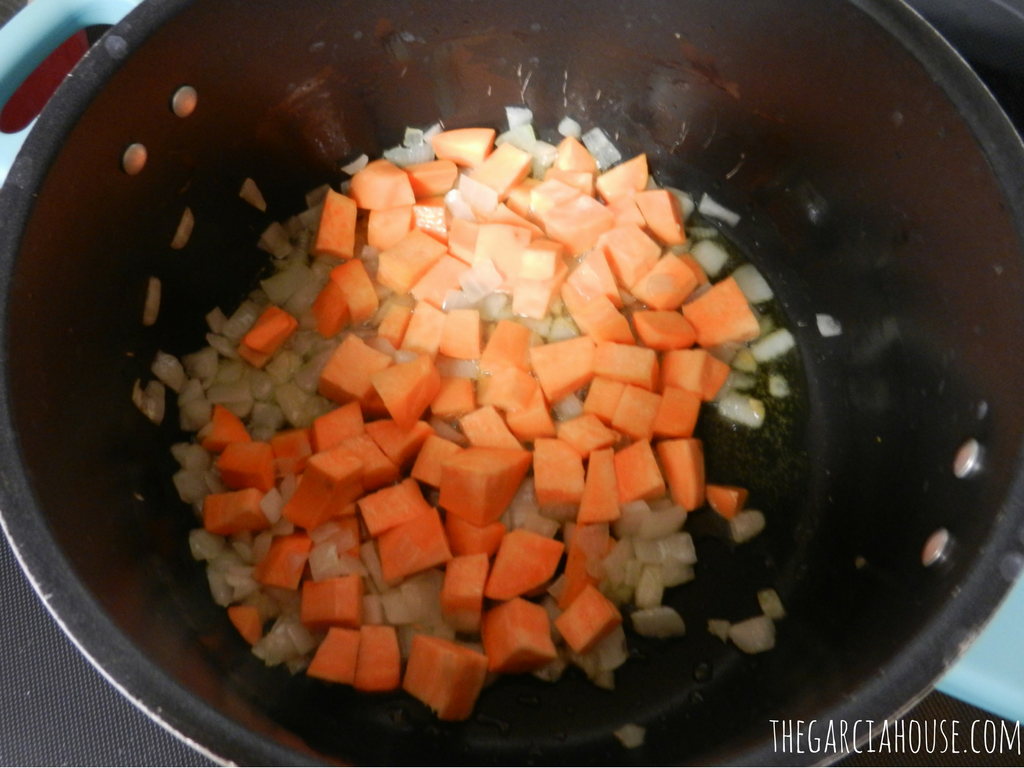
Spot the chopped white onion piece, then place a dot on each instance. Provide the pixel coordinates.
(282, 285)
(403, 156)
(432, 131)
(716, 210)
(755, 635)
(252, 195)
(771, 604)
(151, 400)
(659, 621)
(317, 195)
(356, 165)
(194, 415)
(661, 523)
(413, 137)
(611, 652)
(450, 367)
(569, 127)
(459, 208)
(447, 431)
(778, 386)
(674, 573)
(151, 309)
(562, 328)
(368, 554)
(568, 408)
(406, 356)
(533, 521)
(480, 281)
(563, 513)
(544, 156)
(737, 380)
(169, 370)
(373, 609)
(753, 284)
(744, 361)
(601, 147)
(541, 327)
(456, 300)
(493, 307)
(521, 137)
(828, 326)
(719, 628)
(631, 735)
(710, 255)
(201, 364)
(271, 505)
(551, 672)
(650, 588)
(241, 320)
(518, 116)
(686, 203)
(748, 411)
(219, 587)
(204, 545)
(215, 320)
(631, 516)
(775, 344)
(746, 525)
(479, 197)
(184, 230)
(190, 485)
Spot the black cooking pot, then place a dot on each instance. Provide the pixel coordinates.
(878, 183)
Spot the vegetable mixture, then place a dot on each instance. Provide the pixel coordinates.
(452, 434)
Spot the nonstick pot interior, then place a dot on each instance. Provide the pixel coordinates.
(873, 187)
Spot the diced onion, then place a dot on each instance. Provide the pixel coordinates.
(544, 156)
(601, 147)
(660, 621)
(518, 116)
(650, 588)
(151, 400)
(569, 127)
(204, 545)
(241, 320)
(403, 156)
(373, 609)
(356, 165)
(562, 328)
(755, 635)
(742, 409)
(775, 344)
(710, 255)
(521, 137)
(151, 309)
(828, 326)
(493, 307)
(753, 284)
(715, 210)
(685, 202)
(459, 208)
(744, 361)
(184, 230)
(281, 286)
(631, 735)
(746, 525)
(169, 370)
(719, 628)
(771, 604)
(271, 505)
(480, 281)
(778, 386)
(568, 408)
(252, 195)
(190, 485)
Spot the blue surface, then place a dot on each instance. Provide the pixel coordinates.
(991, 674)
(28, 38)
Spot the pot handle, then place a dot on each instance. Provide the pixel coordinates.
(28, 38)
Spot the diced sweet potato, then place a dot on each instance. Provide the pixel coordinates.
(402, 265)
(626, 363)
(413, 546)
(600, 502)
(398, 443)
(558, 475)
(478, 484)
(533, 421)
(726, 500)
(439, 279)
(525, 561)
(425, 330)
(484, 428)
(392, 506)
(360, 296)
(509, 344)
(455, 397)
(462, 595)
(663, 331)
(683, 460)
(348, 373)
(677, 415)
(386, 227)
(435, 451)
(445, 676)
(407, 389)
(335, 602)
(597, 317)
(509, 389)
(694, 370)
(586, 434)
(460, 337)
(380, 185)
(336, 234)
(573, 156)
(394, 324)
(234, 512)
(564, 366)
(468, 539)
(505, 167)
(588, 620)
(637, 474)
(578, 223)
(464, 146)
(663, 215)
(603, 398)
(624, 180)
(631, 254)
(636, 413)
(517, 637)
(667, 285)
(433, 178)
(722, 315)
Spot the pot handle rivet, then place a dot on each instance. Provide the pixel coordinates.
(134, 159)
(936, 548)
(183, 102)
(968, 459)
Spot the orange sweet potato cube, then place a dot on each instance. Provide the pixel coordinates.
(336, 234)
(350, 369)
(330, 310)
(402, 265)
(462, 236)
(455, 397)
(694, 370)
(631, 254)
(600, 502)
(464, 146)
(636, 413)
(548, 194)
(445, 676)
(578, 223)
(468, 539)
(667, 285)
(588, 620)
(386, 226)
(637, 474)
(430, 216)
(524, 562)
(379, 663)
(268, 333)
(462, 595)
(425, 330)
(439, 279)
(597, 317)
(413, 546)
(360, 296)
(624, 180)
(627, 363)
(563, 367)
(517, 637)
(407, 389)
(399, 444)
(247, 465)
(504, 245)
(663, 331)
(505, 167)
(460, 337)
(433, 178)
(581, 180)
(478, 484)
(484, 428)
(336, 602)
(558, 475)
(722, 315)
(391, 506)
(509, 344)
(234, 512)
(573, 156)
(335, 660)
(593, 277)
(509, 389)
(677, 415)
(332, 480)
(378, 469)
(683, 460)
(663, 215)
(284, 562)
(533, 421)
(381, 184)
(603, 398)
(586, 434)
(726, 500)
(394, 324)
(532, 298)
(435, 451)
